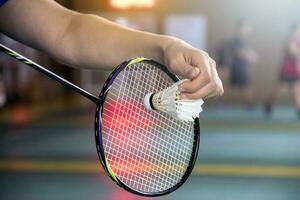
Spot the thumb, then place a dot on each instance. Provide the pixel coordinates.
(188, 72)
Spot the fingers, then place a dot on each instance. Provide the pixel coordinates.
(206, 85)
(218, 92)
(194, 85)
(187, 71)
(190, 72)
(203, 79)
(206, 90)
(218, 89)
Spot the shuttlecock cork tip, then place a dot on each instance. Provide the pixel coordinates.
(148, 101)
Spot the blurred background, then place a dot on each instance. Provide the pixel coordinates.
(250, 138)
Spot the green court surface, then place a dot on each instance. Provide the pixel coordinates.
(242, 157)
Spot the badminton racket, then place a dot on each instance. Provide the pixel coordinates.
(148, 153)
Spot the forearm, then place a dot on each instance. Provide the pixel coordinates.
(93, 42)
(36, 23)
(76, 39)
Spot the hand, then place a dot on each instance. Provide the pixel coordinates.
(196, 65)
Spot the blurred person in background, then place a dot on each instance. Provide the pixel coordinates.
(224, 58)
(289, 77)
(243, 56)
(90, 41)
(235, 58)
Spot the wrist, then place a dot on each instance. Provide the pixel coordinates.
(164, 43)
(159, 44)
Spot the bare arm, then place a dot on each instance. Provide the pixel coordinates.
(37, 23)
(73, 38)
(92, 42)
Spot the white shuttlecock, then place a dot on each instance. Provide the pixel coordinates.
(169, 101)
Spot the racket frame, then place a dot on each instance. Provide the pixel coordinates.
(98, 131)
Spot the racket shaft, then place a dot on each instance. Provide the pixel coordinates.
(48, 73)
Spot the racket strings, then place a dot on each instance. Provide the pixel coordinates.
(170, 126)
(161, 160)
(143, 148)
(174, 122)
(179, 142)
(159, 167)
(148, 151)
(168, 146)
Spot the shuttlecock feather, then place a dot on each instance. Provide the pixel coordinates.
(170, 101)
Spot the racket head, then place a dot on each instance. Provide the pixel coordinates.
(111, 131)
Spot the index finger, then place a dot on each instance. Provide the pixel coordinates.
(197, 83)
